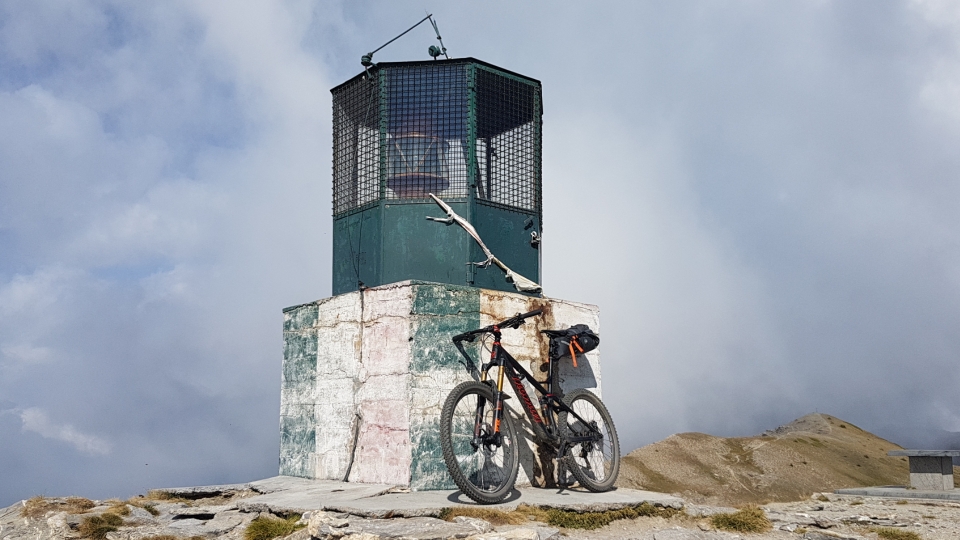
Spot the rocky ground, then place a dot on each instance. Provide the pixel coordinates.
(822, 517)
(814, 453)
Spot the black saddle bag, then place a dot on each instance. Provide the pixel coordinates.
(577, 339)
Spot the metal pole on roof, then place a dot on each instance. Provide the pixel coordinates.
(367, 59)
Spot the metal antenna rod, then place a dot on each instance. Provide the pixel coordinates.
(443, 50)
(367, 59)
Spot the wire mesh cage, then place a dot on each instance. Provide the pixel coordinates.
(459, 129)
(426, 121)
(507, 140)
(356, 144)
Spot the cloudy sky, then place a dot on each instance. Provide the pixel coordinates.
(762, 196)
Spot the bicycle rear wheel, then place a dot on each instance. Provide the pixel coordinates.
(484, 467)
(595, 464)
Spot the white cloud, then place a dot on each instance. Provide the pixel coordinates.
(33, 292)
(36, 420)
(941, 91)
(24, 353)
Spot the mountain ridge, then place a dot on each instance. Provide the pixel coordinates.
(814, 453)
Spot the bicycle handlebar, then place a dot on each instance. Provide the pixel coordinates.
(512, 322)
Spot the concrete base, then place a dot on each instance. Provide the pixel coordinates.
(282, 494)
(931, 472)
(365, 375)
(900, 492)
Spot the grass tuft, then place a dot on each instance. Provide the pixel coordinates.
(36, 507)
(39, 506)
(143, 502)
(266, 529)
(559, 518)
(749, 519)
(97, 527)
(165, 496)
(119, 507)
(890, 533)
(595, 520)
(523, 514)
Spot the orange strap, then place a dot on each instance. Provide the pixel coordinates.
(573, 355)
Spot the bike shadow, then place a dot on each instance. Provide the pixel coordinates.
(459, 498)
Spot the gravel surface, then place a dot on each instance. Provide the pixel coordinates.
(838, 517)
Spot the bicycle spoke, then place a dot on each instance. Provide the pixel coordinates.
(595, 462)
(483, 467)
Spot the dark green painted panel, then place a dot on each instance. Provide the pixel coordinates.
(356, 250)
(414, 248)
(507, 235)
(427, 468)
(439, 313)
(297, 442)
(301, 317)
(432, 348)
(438, 299)
(299, 356)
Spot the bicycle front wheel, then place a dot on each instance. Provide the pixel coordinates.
(594, 463)
(483, 465)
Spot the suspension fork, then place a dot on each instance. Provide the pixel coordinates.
(479, 438)
(495, 356)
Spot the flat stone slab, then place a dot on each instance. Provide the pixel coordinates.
(899, 492)
(200, 492)
(291, 494)
(925, 453)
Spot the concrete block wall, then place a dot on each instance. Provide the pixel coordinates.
(365, 375)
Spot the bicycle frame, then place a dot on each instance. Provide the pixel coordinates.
(544, 426)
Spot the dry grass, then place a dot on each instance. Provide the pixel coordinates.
(521, 515)
(749, 519)
(171, 537)
(97, 526)
(266, 529)
(118, 507)
(160, 495)
(890, 533)
(595, 520)
(559, 518)
(143, 502)
(38, 507)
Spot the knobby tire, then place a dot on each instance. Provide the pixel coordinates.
(594, 464)
(485, 474)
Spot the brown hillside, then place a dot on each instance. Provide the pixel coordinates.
(814, 453)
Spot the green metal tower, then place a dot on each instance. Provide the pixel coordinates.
(464, 130)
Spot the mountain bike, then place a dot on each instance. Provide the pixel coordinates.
(479, 440)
